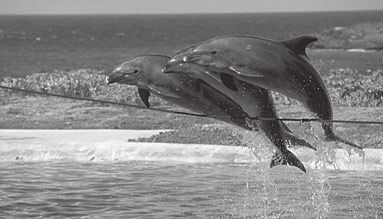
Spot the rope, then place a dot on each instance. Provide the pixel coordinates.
(319, 120)
(187, 113)
(101, 101)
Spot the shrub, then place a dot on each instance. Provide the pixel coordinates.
(362, 35)
(83, 83)
(346, 87)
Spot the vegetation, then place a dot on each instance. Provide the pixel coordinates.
(346, 87)
(207, 134)
(81, 83)
(363, 35)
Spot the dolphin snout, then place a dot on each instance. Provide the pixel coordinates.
(167, 68)
(114, 77)
(173, 67)
(107, 80)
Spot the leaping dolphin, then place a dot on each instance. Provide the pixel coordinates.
(279, 66)
(257, 102)
(251, 98)
(145, 73)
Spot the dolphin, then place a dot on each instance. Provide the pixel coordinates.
(188, 92)
(280, 66)
(192, 93)
(256, 101)
(253, 100)
(145, 73)
(250, 98)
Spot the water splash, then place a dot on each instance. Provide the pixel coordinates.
(259, 192)
(318, 181)
(262, 190)
(319, 187)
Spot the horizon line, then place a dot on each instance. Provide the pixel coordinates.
(193, 13)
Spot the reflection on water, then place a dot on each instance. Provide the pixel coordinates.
(170, 190)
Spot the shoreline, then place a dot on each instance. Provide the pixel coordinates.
(345, 50)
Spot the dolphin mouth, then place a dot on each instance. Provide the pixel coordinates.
(120, 77)
(111, 79)
(114, 78)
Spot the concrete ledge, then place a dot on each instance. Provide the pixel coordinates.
(78, 135)
(112, 145)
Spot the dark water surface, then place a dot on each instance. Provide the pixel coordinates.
(174, 190)
(31, 44)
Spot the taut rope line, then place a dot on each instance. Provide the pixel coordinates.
(100, 101)
(185, 113)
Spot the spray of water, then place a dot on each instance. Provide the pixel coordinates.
(317, 180)
(264, 188)
(259, 192)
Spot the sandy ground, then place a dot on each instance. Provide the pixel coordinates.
(109, 145)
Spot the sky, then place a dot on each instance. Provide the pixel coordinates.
(180, 6)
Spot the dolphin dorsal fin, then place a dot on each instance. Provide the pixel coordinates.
(299, 44)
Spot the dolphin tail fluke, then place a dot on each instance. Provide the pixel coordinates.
(288, 158)
(297, 141)
(333, 137)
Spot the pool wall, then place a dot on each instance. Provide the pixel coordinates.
(112, 146)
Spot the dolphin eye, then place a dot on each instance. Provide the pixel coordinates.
(135, 71)
(213, 52)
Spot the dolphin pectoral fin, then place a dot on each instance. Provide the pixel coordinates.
(144, 95)
(245, 71)
(299, 44)
(286, 159)
(164, 91)
(297, 141)
(333, 137)
(228, 81)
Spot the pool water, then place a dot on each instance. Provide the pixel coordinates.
(142, 189)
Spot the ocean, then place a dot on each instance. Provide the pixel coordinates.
(33, 43)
